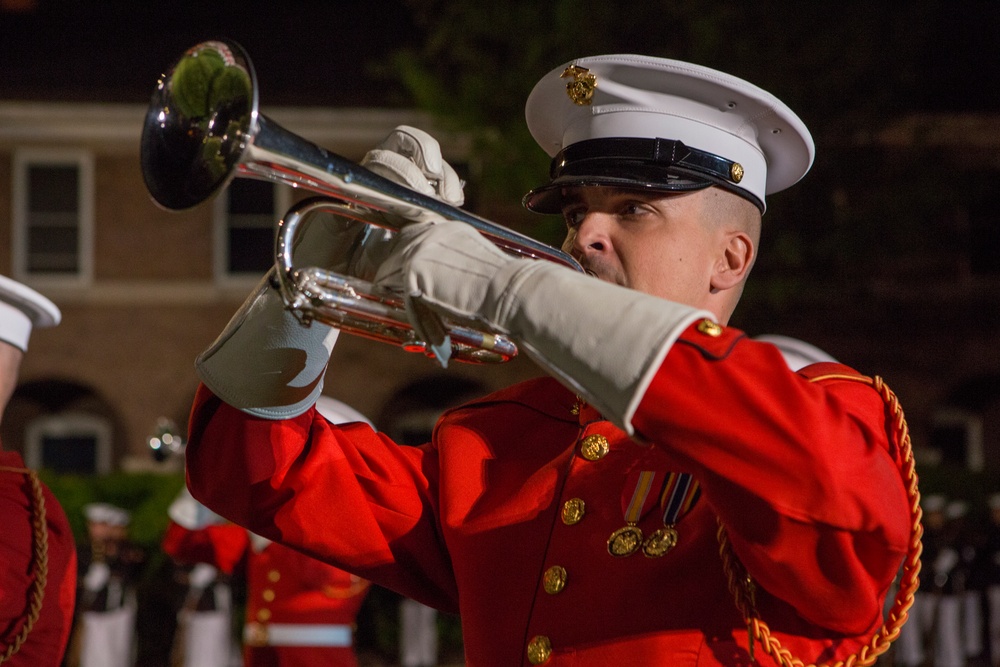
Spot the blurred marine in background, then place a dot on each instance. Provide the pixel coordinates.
(37, 549)
(300, 611)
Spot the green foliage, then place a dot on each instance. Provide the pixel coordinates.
(231, 85)
(145, 495)
(957, 482)
(477, 63)
(191, 84)
(846, 68)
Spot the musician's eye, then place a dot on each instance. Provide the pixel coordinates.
(632, 209)
(573, 217)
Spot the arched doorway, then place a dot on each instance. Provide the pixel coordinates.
(63, 426)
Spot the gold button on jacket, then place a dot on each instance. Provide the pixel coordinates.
(539, 649)
(573, 511)
(594, 447)
(554, 580)
(709, 328)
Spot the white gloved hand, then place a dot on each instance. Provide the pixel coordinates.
(97, 577)
(202, 575)
(411, 157)
(600, 340)
(266, 362)
(945, 562)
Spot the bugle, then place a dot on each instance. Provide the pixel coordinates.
(203, 128)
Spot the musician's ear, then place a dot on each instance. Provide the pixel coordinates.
(735, 260)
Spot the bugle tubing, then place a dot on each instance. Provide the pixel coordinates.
(203, 128)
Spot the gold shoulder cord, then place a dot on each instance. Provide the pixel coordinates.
(41, 554)
(743, 588)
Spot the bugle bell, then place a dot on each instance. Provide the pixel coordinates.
(203, 128)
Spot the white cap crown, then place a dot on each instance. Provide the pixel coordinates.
(732, 133)
(21, 309)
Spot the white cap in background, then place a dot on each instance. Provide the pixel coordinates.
(21, 310)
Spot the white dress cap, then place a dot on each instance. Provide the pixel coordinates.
(935, 502)
(338, 412)
(956, 509)
(733, 134)
(797, 353)
(21, 309)
(106, 513)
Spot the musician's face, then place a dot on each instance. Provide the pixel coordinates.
(657, 243)
(10, 364)
(101, 531)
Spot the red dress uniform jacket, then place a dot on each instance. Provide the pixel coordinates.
(46, 642)
(283, 587)
(505, 517)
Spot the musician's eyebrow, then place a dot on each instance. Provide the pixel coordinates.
(573, 195)
(570, 196)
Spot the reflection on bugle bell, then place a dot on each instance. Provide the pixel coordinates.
(203, 129)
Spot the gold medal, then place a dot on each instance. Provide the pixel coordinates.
(660, 542)
(625, 541)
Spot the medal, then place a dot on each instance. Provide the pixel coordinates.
(680, 493)
(659, 542)
(627, 540)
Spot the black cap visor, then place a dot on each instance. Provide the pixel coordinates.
(658, 165)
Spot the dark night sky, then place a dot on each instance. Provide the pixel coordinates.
(304, 52)
(314, 51)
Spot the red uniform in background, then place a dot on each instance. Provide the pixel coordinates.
(547, 528)
(299, 611)
(50, 633)
(35, 620)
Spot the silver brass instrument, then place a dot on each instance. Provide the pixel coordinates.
(203, 129)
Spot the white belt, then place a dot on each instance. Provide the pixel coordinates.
(296, 634)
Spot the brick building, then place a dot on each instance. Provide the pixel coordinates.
(143, 290)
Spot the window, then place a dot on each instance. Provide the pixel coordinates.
(53, 217)
(957, 437)
(247, 213)
(69, 443)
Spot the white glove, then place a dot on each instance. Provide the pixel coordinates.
(412, 158)
(600, 340)
(945, 562)
(97, 577)
(266, 362)
(202, 575)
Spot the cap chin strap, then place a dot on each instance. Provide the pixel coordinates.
(743, 588)
(630, 162)
(654, 152)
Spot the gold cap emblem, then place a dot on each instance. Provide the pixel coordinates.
(581, 88)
